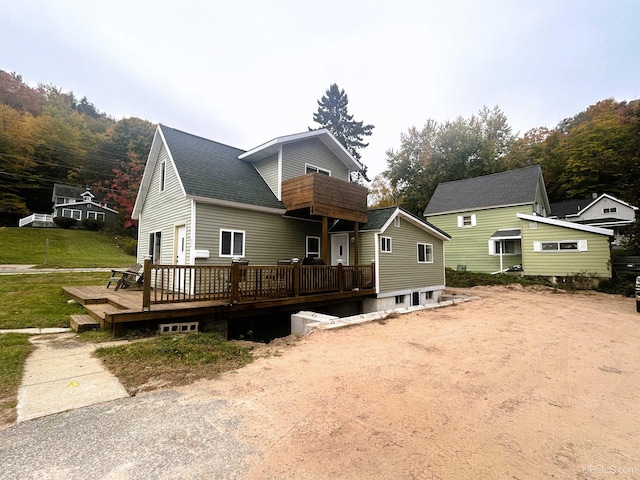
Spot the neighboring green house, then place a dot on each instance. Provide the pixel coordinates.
(205, 203)
(408, 253)
(487, 220)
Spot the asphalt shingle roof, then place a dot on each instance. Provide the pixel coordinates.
(513, 187)
(376, 218)
(212, 170)
(562, 209)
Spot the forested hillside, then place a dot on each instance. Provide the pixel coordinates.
(595, 151)
(48, 136)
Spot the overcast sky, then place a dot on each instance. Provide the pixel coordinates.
(245, 72)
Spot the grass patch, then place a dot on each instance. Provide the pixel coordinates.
(171, 360)
(37, 300)
(14, 349)
(456, 279)
(60, 248)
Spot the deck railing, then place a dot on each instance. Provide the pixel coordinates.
(35, 217)
(236, 283)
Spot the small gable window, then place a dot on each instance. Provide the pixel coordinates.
(385, 244)
(610, 210)
(425, 253)
(313, 169)
(467, 220)
(163, 174)
(232, 243)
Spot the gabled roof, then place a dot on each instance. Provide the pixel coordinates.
(570, 207)
(272, 147)
(208, 170)
(565, 224)
(514, 187)
(576, 208)
(379, 219)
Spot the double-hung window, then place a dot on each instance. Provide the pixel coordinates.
(385, 244)
(96, 215)
(232, 243)
(70, 213)
(425, 253)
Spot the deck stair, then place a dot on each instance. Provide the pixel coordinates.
(82, 323)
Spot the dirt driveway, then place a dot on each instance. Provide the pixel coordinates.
(519, 384)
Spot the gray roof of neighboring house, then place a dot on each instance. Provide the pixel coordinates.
(212, 170)
(377, 218)
(570, 207)
(514, 187)
(70, 191)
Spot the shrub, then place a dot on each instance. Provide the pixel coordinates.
(92, 224)
(65, 222)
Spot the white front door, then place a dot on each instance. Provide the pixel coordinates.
(181, 245)
(180, 281)
(340, 248)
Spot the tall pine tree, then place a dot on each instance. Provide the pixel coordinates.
(332, 114)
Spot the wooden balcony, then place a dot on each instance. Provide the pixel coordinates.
(326, 196)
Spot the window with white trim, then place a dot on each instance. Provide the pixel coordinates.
(232, 243)
(313, 247)
(467, 220)
(396, 222)
(95, 215)
(155, 242)
(385, 244)
(425, 253)
(313, 169)
(163, 175)
(560, 246)
(68, 212)
(508, 247)
(610, 210)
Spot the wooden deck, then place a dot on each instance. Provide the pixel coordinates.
(112, 309)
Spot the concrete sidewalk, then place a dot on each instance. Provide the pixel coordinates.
(60, 375)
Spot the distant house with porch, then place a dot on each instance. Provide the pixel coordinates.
(80, 204)
(74, 202)
(203, 203)
(499, 222)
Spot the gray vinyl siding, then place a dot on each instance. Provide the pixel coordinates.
(366, 253)
(268, 237)
(400, 269)
(268, 169)
(540, 198)
(313, 152)
(163, 211)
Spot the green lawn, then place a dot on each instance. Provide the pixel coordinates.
(37, 300)
(60, 248)
(14, 348)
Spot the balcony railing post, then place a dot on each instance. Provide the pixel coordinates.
(235, 280)
(296, 277)
(373, 274)
(340, 277)
(146, 285)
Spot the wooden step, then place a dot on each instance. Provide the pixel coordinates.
(102, 311)
(82, 323)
